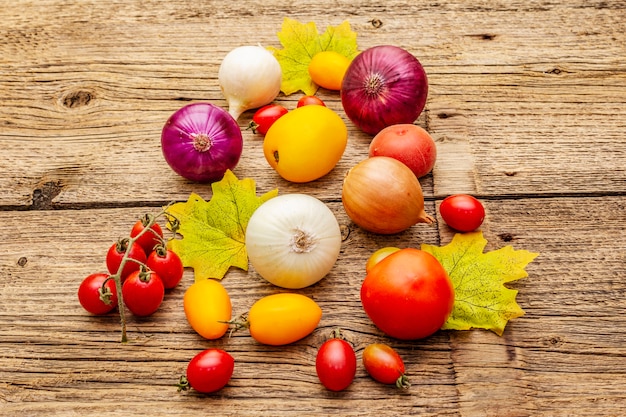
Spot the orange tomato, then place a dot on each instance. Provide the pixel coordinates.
(327, 69)
(306, 143)
(378, 256)
(208, 308)
(283, 318)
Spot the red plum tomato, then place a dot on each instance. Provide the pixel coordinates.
(385, 365)
(89, 294)
(462, 212)
(408, 295)
(335, 364)
(310, 101)
(265, 117)
(210, 370)
(409, 144)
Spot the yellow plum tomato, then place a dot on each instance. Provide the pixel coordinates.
(409, 144)
(208, 308)
(327, 69)
(283, 318)
(306, 143)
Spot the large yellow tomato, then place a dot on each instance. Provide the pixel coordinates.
(306, 143)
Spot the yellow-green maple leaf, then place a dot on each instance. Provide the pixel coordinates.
(213, 232)
(300, 43)
(481, 299)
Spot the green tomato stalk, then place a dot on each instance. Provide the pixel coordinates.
(105, 293)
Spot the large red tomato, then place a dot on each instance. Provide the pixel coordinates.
(408, 295)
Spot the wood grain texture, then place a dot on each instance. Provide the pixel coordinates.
(527, 105)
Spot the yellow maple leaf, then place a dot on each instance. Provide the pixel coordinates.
(300, 43)
(213, 232)
(481, 299)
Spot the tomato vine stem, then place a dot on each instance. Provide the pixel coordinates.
(150, 220)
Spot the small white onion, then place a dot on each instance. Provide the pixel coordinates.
(249, 77)
(293, 240)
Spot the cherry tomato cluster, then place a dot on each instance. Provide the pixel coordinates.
(265, 117)
(144, 267)
(336, 364)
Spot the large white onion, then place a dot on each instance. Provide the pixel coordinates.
(293, 240)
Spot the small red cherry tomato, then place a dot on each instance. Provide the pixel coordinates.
(89, 294)
(265, 117)
(462, 212)
(116, 253)
(336, 364)
(310, 101)
(210, 370)
(384, 365)
(143, 292)
(167, 265)
(151, 238)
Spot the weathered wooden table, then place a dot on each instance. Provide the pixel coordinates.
(528, 107)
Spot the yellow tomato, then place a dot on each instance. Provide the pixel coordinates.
(306, 143)
(327, 69)
(208, 308)
(378, 256)
(283, 318)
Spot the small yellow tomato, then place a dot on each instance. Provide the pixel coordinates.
(327, 69)
(378, 256)
(208, 308)
(306, 143)
(283, 318)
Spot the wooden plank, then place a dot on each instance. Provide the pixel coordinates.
(83, 98)
(527, 105)
(52, 354)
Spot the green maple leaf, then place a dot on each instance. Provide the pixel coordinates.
(481, 299)
(213, 232)
(300, 43)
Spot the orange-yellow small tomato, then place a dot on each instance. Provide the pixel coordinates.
(378, 256)
(283, 318)
(208, 308)
(327, 69)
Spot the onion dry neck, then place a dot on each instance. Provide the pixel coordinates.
(302, 242)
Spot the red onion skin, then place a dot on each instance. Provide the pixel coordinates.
(200, 141)
(398, 88)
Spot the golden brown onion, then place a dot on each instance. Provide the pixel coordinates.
(382, 195)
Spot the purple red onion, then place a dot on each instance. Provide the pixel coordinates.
(200, 141)
(384, 85)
